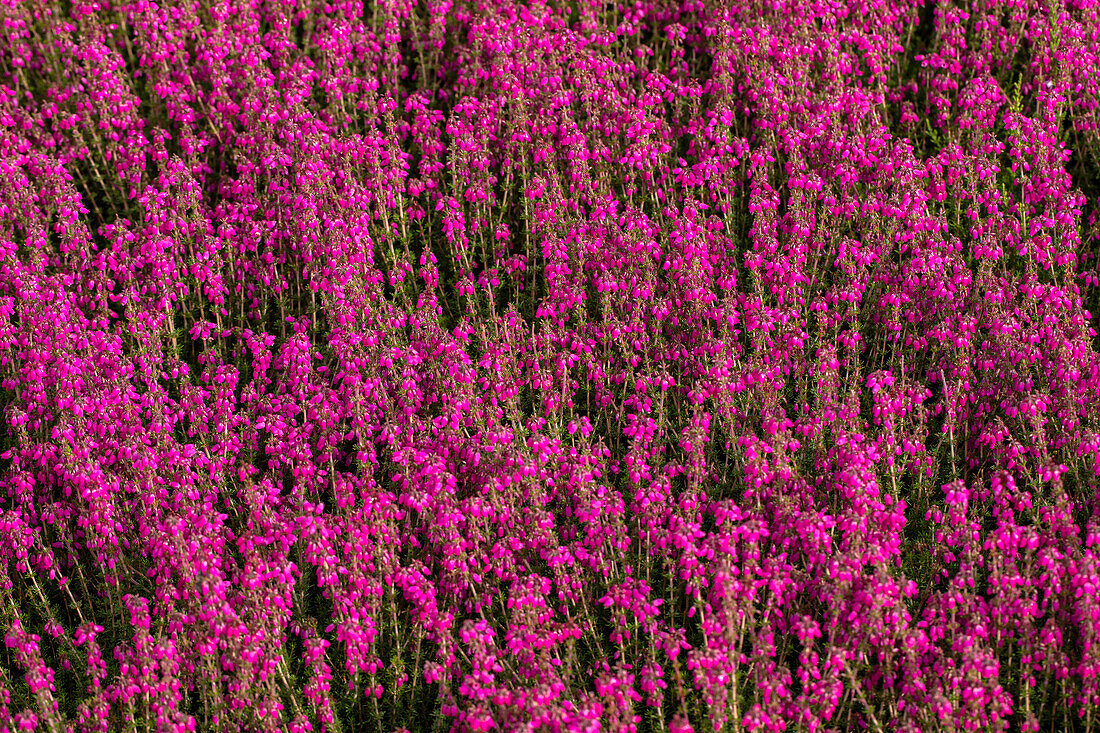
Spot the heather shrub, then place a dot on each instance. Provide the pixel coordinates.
(548, 366)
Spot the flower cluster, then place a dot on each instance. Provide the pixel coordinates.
(549, 365)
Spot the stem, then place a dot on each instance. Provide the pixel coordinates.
(859, 693)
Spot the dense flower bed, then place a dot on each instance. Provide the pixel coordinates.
(552, 366)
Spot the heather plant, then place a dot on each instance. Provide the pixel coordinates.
(548, 366)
